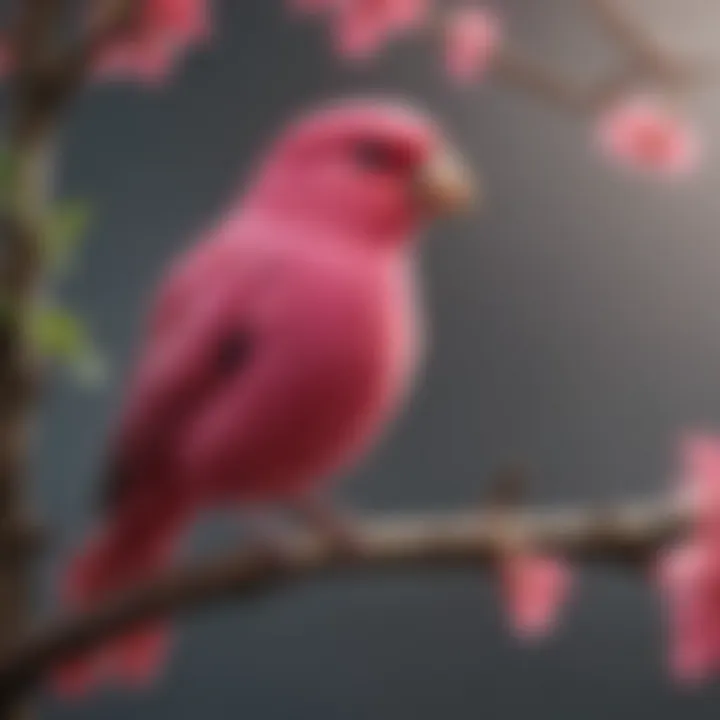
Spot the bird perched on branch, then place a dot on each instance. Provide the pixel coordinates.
(278, 349)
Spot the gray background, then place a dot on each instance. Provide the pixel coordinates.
(575, 328)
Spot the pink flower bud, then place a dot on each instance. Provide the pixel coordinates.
(154, 39)
(645, 135)
(534, 588)
(362, 27)
(472, 40)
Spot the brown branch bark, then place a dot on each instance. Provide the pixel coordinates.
(628, 33)
(656, 63)
(646, 65)
(523, 73)
(42, 85)
(20, 274)
(72, 66)
(627, 535)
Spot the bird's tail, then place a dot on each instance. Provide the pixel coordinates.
(136, 543)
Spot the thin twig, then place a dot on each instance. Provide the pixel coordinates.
(647, 65)
(543, 83)
(522, 73)
(630, 34)
(73, 66)
(518, 71)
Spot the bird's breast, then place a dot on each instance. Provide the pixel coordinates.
(340, 342)
(358, 334)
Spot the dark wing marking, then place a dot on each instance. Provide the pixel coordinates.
(112, 487)
(231, 356)
(234, 352)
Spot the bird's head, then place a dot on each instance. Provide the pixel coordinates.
(374, 170)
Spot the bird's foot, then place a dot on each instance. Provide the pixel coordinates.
(336, 527)
(269, 538)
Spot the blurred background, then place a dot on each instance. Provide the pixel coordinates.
(575, 327)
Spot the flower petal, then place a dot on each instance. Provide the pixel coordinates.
(534, 588)
(472, 39)
(643, 134)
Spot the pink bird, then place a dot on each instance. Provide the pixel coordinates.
(279, 348)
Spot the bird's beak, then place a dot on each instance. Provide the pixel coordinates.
(444, 185)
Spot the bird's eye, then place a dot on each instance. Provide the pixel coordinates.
(375, 155)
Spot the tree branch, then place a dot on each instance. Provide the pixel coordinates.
(646, 65)
(626, 535)
(526, 74)
(20, 276)
(74, 65)
(516, 70)
(648, 56)
(42, 86)
(629, 34)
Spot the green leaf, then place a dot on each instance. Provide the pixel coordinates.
(65, 229)
(60, 335)
(57, 333)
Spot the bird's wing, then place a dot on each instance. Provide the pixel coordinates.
(202, 332)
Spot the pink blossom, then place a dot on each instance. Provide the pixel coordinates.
(472, 40)
(646, 135)
(409, 14)
(154, 39)
(689, 573)
(700, 480)
(362, 27)
(690, 580)
(534, 588)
